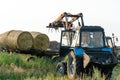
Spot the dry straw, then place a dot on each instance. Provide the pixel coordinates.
(16, 39)
(40, 41)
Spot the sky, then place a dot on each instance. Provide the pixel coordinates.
(35, 15)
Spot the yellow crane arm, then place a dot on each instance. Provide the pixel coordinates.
(59, 22)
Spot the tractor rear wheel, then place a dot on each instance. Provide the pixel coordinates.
(74, 66)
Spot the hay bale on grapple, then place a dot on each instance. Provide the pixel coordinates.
(40, 41)
(16, 40)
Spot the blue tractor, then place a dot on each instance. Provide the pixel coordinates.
(82, 47)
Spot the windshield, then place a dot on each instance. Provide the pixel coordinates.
(92, 39)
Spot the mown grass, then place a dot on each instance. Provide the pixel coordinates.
(16, 67)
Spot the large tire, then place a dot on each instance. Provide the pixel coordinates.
(61, 68)
(74, 66)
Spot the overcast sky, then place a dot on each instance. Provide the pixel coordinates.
(35, 15)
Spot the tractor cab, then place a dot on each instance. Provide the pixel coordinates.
(88, 38)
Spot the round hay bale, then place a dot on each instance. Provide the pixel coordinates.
(21, 40)
(3, 37)
(40, 41)
(54, 45)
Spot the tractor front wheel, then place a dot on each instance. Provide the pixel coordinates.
(61, 68)
(74, 66)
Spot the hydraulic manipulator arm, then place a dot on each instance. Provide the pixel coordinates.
(59, 22)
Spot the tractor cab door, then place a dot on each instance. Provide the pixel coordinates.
(66, 41)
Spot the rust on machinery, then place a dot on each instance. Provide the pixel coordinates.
(60, 23)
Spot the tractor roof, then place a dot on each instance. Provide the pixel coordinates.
(92, 28)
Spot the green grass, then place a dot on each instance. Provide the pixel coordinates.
(16, 67)
(116, 72)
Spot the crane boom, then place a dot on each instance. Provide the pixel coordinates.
(59, 22)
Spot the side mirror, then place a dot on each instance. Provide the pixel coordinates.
(117, 39)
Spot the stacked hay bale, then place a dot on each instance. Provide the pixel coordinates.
(40, 41)
(24, 40)
(54, 45)
(16, 40)
(3, 39)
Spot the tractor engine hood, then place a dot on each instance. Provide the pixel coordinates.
(102, 57)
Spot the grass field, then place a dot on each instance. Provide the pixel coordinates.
(16, 67)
